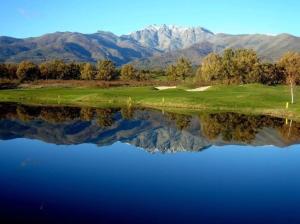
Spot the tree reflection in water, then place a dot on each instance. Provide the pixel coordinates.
(144, 127)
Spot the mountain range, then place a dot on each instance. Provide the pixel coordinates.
(154, 46)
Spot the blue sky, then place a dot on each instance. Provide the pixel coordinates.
(24, 18)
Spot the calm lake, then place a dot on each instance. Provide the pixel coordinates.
(134, 165)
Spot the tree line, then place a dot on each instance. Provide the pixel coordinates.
(238, 66)
(57, 69)
(243, 66)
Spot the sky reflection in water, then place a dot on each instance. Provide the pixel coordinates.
(45, 182)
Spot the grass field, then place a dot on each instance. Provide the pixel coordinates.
(252, 98)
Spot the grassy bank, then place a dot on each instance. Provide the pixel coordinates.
(245, 99)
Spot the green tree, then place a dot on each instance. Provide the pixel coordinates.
(105, 70)
(87, 72)
(211, 67)
(143, 75)
(183, 68)
(27, 71)
(171, 72)
(3, 72)
(60, 69)
(128, 72)
(72, 71)
(228, 71)
(45, 70)
(246, 66)
(12, 70)
(180, 71)
(55, 69)
(234, 66)
(271, 74)
(291, 64)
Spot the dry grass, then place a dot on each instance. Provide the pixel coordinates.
(8, 83)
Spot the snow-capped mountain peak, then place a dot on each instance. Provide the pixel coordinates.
(170, 37)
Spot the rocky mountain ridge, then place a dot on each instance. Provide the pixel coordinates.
(154, 46)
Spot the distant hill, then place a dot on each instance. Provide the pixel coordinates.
(269, 48)
(194, 53)
(154, 46)
(73, 46)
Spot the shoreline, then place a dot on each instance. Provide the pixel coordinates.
(248, 99)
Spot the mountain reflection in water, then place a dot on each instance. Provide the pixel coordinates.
(149, 129)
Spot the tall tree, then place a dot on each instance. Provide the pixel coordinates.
(179, 71)
(3, 72)
(12, 70)
(271, 74)
(27, 71)
(55, 69)
(183, 68)
(87, 71)
(60, 69)
(211, 67)
(72, 71)
(246, 65)
(143, 75)
(291, 64)
(234, 66)
(45, 70)
(128, 72)
(105, 70)
(171, 72)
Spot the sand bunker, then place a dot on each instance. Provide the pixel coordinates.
(165, 87)
(200, 89)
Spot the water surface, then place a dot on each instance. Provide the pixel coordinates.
(126, 165)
